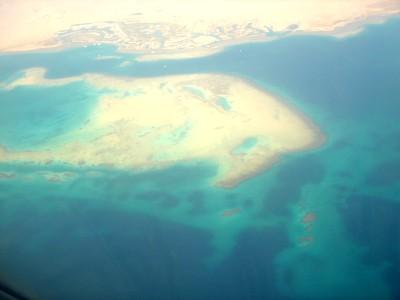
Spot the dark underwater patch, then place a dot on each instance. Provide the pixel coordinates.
(374, 223)
(197, 200)
(231, 200)
(104, 254)
(177, 175)
(248, 203)
(153, 185)
(163, 199)
(249, 273)
(289, 182)
(385, 173)
(304, 263)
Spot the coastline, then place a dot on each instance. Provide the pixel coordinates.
(348, 29)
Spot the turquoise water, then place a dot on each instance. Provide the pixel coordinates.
(33, 115)
(224, 103)
(246, 145)
(104, 234)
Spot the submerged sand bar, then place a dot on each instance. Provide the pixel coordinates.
(151, 123)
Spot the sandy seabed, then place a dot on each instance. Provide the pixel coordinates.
(152, 123)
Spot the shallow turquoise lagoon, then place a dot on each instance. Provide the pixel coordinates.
(34, 115)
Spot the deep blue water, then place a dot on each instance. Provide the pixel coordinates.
(159, 235)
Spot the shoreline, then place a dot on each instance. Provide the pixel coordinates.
(341, 32)
(347, 30)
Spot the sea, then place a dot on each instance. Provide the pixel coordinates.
(320, 224)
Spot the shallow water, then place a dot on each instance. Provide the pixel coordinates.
(320, 224)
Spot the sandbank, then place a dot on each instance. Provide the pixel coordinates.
(152, 123)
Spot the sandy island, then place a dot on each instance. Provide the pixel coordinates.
(151, 123)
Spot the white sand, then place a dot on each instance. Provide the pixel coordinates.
(153, 123)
